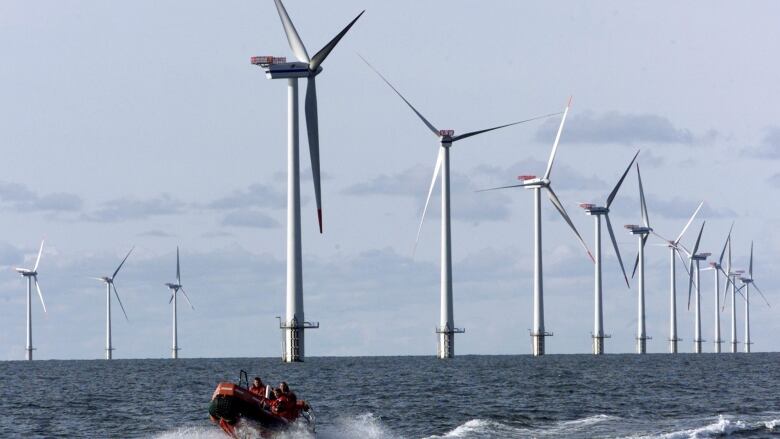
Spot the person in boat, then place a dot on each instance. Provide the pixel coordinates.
(257, 388)
(279, 404)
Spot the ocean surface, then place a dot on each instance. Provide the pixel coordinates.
(577, 396)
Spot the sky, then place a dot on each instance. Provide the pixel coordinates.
(142, 123)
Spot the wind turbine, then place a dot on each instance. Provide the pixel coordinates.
(597, 212)
(675, 247)
(175, 288)
(446, 330)
(538, 332)
(641, 231)
(717, 268)
(694, 271)
(748, 281)
(306, 67)
(32, 276)
(732, 276)
(109, 281)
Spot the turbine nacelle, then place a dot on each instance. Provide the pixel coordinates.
(638, 230)
(283, 70)
(26, 272)
(532, 181)
(446, 137)
(700, 256)
(592, 209)
(173, 286)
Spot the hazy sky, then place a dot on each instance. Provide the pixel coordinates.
(143, 123)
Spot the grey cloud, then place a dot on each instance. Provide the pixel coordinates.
(414, 182)
(615, 127)
(156, 234)
(564, 177)
(674, 208)
(249, 218)
(122, 209)
(768, 148)
(774, 180)
(256, 195)
(9, 254)
(21, 198)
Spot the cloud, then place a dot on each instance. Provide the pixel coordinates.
(9, 254)
(122, 209)
(467, 205)
(256, 195)
(249, 218)
(615, 127)
(21, 198)
(768, 148)
(564, 177)
(156, 234)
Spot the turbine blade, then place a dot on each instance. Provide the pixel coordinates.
(312, 129)
(754, 286)
(292, 35)
(557, 203)
(557, 139)
(617, 250)
(684, 262)
(187, 298)
(428, 199)
(677, 241)
(698, 239)
(612, 194)
(725, 244)
(726, 289)
(178, 268)
(171, 299)
(425, 121)
(750, 269)
(38, 259)
(122, 263)
(474, 133)
(116, 293)
(40, 295)
(636, 265)
(690, 283)
(729, 266)
(503, 187)
(660, 237)
(636, 261)
(642, 203)
(320, 56)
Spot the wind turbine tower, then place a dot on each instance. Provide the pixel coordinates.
(31, 275)
(696, 259)
(717, 268)
(597, 212)
(446, 330)
(306, 67)
(109, 281)
(532, 182)
(642, 232)
(674, 250)
(175, 288)
(748, 281)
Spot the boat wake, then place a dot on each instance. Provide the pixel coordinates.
(370, 426)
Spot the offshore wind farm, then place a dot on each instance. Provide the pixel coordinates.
(165, 156)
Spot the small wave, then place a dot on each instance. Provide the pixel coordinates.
(363, 426)
(585, 422)
(192, 433)
(722, 427)
(483, 428)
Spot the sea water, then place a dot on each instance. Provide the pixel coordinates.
(577, 396)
